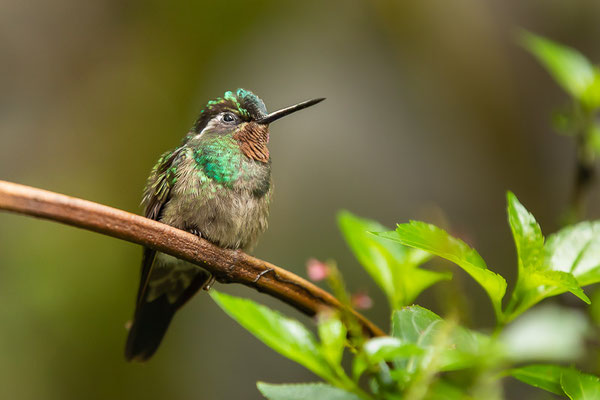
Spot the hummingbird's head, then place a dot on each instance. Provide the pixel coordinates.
(243, 116)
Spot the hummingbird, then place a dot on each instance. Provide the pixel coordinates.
(217, 185)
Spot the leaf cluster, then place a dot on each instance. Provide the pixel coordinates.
(425, 356)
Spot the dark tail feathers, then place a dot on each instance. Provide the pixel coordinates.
(153, 318)
(148, 328)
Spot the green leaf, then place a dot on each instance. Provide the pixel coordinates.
(541, 284)
(537, 279)
(580, 386)
(560, 380)
(460, 347)
(526, 233)
(543, 376)
(333, 336)
(389, 349)
(359, 366)
(392, 266)
(548, 333)
(576, 250)
(591, 96)
(304, 391)
(437, 241)
(284, 335)
(374, 256)
(569, 67)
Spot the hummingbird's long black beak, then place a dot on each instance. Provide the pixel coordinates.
(274, 116)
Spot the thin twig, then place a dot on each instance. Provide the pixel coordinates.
(228, 266)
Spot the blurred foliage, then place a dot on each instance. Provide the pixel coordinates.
(571, 69)
(415, 361)
(581, 79)
(567, 382)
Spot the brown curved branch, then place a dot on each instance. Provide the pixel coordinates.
(228, 266)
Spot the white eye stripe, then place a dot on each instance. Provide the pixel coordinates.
(217, 122)
(214, 122)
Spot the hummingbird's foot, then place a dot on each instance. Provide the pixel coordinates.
(195, 231)
(262, 273)
(208, 284)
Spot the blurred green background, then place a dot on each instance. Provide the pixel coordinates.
(432, 113)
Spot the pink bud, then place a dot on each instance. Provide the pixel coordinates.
(361, 300)
(317, 270)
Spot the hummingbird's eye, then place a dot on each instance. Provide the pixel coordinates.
(229, 117)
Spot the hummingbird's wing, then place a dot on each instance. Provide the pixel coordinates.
(156, 195)
(164, 288)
